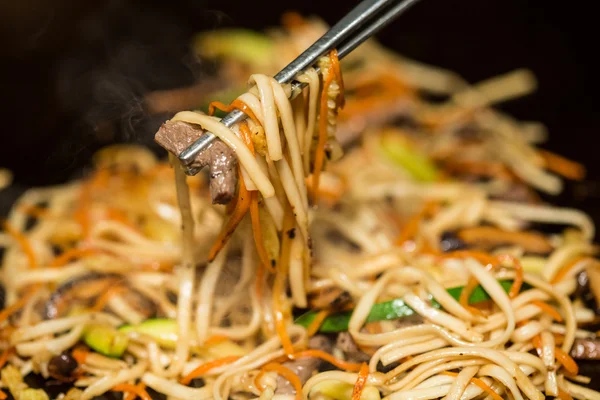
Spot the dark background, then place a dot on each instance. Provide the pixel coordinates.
(72, 72)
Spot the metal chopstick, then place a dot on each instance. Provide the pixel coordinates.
(359, 20)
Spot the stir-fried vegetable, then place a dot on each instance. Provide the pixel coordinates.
(400, 151)
(106, 340)
(238, 44)
(390, 310)
(163, 330)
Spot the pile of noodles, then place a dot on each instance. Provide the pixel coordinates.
(231, 278)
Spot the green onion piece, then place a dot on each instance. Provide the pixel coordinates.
(106, 340)
(238, 44)
(400, 152)
(390, 310)
(163, 330)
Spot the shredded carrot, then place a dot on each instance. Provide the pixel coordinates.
(482, 385)
(337, 70)
(519, 274)
(317, 322)
(4, 357)
(411, 228)
(101, 302)
(236, 104)
(204, 368)
(565, 269)
(17, 305)
(80, 355)
(241, 208)
(34, 211)
(23, 243)
(2, 395)
(129, 388)
(562, 395)
(215, 339)
(287, 374)
(548, 309)
(280, 281)
(292, 20)
(567, 361)
(320, 151)
(472, 283)
(563, 166)
(345, 365)
(71, 255)
(257, 379)
(361, 382)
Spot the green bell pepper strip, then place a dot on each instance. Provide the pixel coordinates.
(417, 164)
(390, 310)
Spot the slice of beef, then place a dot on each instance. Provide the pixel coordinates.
(177, 136)
(304, 367)
(586, 349)
(353, 353)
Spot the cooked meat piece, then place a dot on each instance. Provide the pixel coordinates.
(353, 353)
(407, 321)
(304, 367)
(586, 349)
(82, 288)
(177, 136)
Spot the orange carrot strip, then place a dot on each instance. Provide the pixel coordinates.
(17, 305)
(548, 309)
(287, 374)
(361, 382)
(103, 300)
(317, 322)
(80, 355)
(236, 104)
(257, 379)
(204, 368)
(23, 243)
(345, 365)
(4, 357)
(563, 166)
(138, 390)
(565, 269)
(280, 281)
(320, 151)
(567, 361)
(34, 211)
(410, 230)
(562, 395)
(518, 281)
(215, 339)
(2, 395)
(241, 208)
(70, 255)
(291, 20)
(254, 214)
(337, 70)
(482, 385)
